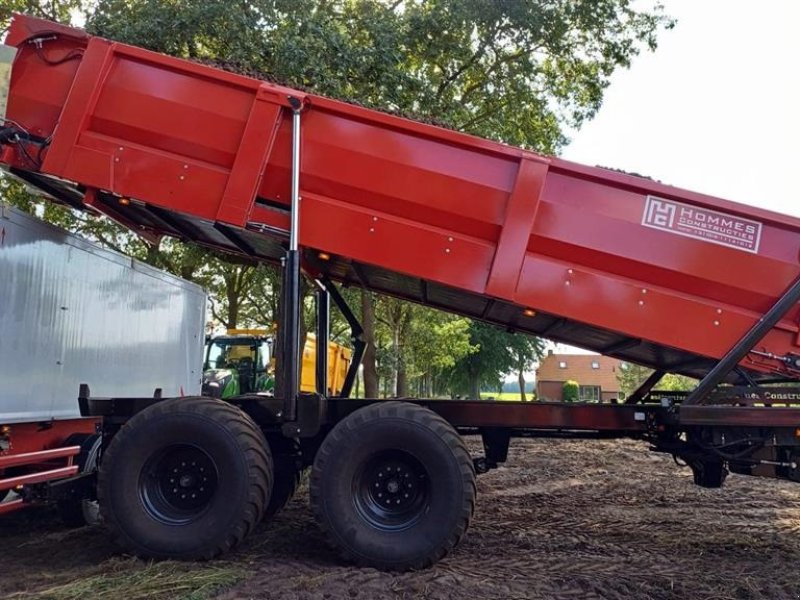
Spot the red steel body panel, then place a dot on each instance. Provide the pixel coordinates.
(26, 438)
(542, 233)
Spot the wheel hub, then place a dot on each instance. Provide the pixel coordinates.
(178, 484)
(392, 490)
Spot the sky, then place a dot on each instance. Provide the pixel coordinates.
(714, 109)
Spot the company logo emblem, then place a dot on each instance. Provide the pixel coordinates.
(702, 224)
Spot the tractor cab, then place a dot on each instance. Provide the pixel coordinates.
(237, 363)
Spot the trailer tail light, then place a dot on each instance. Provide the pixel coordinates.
(324, 256)
(5, 438)
(529, 312)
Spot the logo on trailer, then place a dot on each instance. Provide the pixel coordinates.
(702, 224)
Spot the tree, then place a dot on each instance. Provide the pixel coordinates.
(54, 10)
(571, 391)
(485, 365)
(525, 351)
(630, 376)
(671, 382)
(370, 354)
(436, 342)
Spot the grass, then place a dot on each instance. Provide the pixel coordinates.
(513, 396)
(132, 579)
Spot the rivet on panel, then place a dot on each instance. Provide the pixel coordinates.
(716, 323)
(449, 239)
(374, 219)
(185, 166)
(116, 159)
(182, 177)
(719, 311)
(641, 302)
(447, 250)
(121, 148)
(567, 282)
(372, 230)
(644, 290)
(569, 271)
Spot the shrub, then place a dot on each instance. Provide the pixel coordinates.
(570, 391)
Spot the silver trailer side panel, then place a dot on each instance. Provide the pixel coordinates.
(73, 313)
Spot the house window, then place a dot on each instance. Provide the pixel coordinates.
(595, 364)
(589, 393)
(562, 365)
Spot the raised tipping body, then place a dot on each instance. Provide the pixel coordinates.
(618, 264)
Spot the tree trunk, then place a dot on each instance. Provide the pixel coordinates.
(522, 385)
(402, 379)
(401, 389)
(474, 386)
(369, 362)
(233, 307)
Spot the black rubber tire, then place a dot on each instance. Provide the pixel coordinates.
(71, 511)
(709, 473)
(239, 456)
(286, 481)
(441, 518)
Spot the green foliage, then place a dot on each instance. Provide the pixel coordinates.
(485, 365)
(672, 382)
(571, 391)
(630, 376)
(525, 351)
(494, 353)
(56, 10)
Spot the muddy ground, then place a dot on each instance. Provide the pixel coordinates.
(563, 519)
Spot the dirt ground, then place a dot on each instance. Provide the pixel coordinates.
(563, 519)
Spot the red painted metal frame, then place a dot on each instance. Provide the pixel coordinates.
(37, 453)
(11, 506)
(539, 232)
(38, 477)
(16, 460)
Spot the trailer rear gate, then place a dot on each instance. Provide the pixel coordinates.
(631, 268)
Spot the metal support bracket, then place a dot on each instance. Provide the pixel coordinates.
(356, 337)
(323, 338)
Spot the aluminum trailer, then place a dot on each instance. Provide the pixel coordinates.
(71, 312)
(631, 268)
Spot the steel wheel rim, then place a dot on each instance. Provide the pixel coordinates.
(178, 484)
(392, 490)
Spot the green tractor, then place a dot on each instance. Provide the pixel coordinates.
(238, 363)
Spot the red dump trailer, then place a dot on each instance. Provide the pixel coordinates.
(631, 268)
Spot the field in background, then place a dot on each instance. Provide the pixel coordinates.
(506, 396)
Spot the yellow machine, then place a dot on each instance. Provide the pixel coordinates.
(242, 361)
(339, 359)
